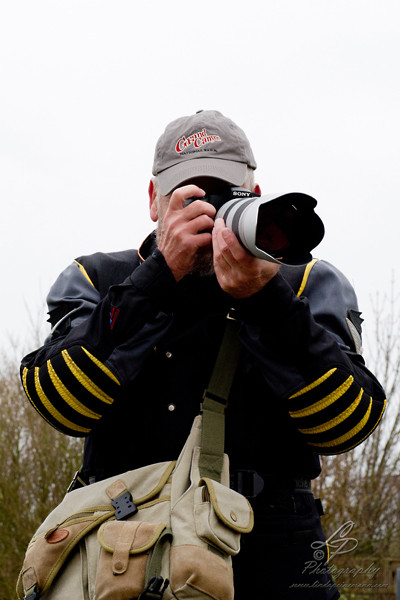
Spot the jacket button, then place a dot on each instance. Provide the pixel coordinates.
(168, 354)
(171, 407)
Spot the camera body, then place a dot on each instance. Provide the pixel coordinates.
(224, 195)
(280, 228)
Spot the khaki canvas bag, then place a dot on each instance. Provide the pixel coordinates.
(167, 530)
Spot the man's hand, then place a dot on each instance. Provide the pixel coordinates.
(238, 272)
(179, 239)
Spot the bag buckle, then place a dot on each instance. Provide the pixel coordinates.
(247, 482)
(124, 506)
(33, 593)
(155, 589)
(232, 314)
(76, 483)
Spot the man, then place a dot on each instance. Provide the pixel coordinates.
(135, 336)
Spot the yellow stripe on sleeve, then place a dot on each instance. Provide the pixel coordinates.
(53, 411)
(307, 272)
(24, 375)
(84, 272)
(369, 432)
(313, 385)
(353, 432)
(101, 366)
(325, 402)
(68, 397)
(337, 420)
(85, 381)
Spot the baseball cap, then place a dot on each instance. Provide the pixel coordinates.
(204, 144)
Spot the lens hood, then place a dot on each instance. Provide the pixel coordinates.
(280, 228)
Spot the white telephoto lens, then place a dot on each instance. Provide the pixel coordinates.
(241, 216)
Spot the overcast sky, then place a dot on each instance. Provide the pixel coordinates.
(86, 88)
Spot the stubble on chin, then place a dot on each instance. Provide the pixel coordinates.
(203, 265)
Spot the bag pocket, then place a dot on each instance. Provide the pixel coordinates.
(48, 554)
(125, 551)
(221, 516)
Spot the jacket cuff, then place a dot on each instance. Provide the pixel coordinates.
(153, 276)
(270, 303)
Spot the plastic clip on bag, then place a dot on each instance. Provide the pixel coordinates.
(166, 530)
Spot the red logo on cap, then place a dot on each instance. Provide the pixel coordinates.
(197, 139)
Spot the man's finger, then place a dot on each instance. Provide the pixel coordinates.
(222, 253)
(227, 244)
(183, 193)
(199, 207)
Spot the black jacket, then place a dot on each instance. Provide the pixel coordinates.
(131, 352)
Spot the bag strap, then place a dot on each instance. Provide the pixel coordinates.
(215, 400)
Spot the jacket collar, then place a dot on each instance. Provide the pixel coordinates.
(148, 246)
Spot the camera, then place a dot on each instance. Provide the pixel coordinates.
(280, 228)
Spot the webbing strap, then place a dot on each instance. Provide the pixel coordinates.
(153, 565)
(225, 366)
(215, 400)
(155, 585)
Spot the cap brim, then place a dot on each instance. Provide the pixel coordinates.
(227, 170)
